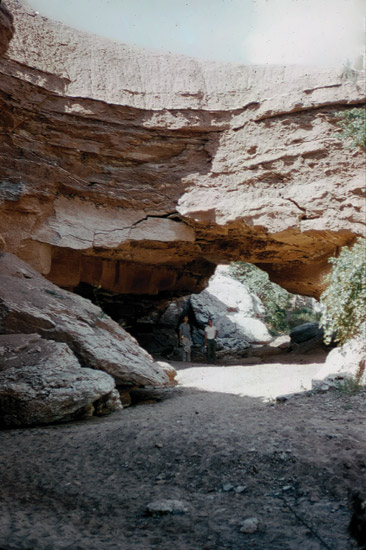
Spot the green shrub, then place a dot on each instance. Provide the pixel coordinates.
(281, 315)
(300, 316)
(344, 300)
(353, 126)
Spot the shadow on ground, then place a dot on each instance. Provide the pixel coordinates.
(86, 485)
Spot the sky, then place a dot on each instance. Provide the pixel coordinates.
(322, 32)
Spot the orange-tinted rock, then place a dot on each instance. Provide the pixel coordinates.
(142, 177)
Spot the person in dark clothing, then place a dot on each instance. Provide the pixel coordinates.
(185, 338)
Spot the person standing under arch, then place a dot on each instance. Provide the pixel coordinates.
(185, 338)
(211, 333)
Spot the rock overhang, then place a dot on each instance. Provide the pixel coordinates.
(142, 180)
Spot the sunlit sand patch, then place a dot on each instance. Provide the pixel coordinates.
(266, 380)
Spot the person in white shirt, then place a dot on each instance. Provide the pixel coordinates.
(210, 341)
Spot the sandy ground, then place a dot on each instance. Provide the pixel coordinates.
(217, 444)
(267, 380)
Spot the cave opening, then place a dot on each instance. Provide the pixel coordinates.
(250, 311)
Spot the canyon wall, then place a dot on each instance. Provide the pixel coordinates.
(139, 172)
(6, 28)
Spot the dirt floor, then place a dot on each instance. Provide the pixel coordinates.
(188, 466)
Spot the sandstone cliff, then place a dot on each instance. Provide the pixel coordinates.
(139, 172)
(6, 28)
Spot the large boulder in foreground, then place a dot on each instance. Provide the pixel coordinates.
(41, 381)
(31, 304)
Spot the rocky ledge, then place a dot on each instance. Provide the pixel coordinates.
(140, 172)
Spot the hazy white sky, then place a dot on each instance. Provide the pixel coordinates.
(327, 32)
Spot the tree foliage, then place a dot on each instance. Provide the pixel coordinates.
(282, 310)
(344, 300)
(353, 126)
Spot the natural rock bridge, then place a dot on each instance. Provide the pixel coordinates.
(139, 172)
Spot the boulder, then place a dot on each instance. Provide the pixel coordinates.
(41, 381)
(279, 345)
(31, 304)
(250, 525)
(347, 361)
(167, 506)
(175, 311)
(235, 311)
(169, 370)
(305, 332)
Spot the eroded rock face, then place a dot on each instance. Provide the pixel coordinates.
(141, 178)
(31, 304)
(41, 381)
(6, 28)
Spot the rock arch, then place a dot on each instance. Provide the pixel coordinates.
(140, 172)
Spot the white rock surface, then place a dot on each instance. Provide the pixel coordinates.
(235, 311)
(144, 79)
(81, 225)
(345, 361)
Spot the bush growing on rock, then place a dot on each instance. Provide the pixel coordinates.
(283, 311)
(353, 126)
(344, 312)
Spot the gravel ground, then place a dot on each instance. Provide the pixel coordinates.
(200, 466)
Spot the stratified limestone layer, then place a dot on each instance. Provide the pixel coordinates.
(140, 172)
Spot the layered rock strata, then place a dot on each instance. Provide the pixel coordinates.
(139, 172)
